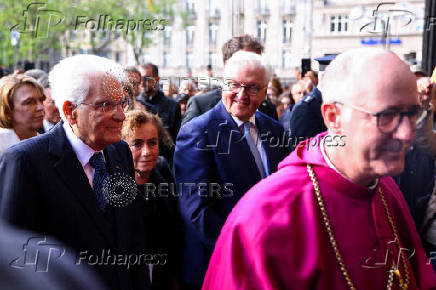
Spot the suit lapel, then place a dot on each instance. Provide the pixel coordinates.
(123, 215)
(234, 146)
(71, 172)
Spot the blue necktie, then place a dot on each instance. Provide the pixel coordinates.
(253, 149)
(100, 174)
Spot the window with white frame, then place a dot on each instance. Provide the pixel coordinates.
(213, 58)
(286, 59)
(189, 59)
(213, 28)
(261, 30)
(190, 6)
(287, 5)
(339, 23)
(167, 36)
(190, 35)
(287, 31)
(166, 59)
(262, 5)
(213, 8)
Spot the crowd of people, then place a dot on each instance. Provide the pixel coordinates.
(250, 184)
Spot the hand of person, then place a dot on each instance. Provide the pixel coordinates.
(424, 88)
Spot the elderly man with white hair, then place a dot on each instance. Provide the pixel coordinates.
(76, 182)
(221, 154)
(331, 217)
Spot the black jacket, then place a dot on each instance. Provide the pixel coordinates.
(162, 216)
(45, 189)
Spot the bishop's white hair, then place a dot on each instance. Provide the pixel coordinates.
(71, 78)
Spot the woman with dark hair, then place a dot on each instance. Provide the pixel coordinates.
(143, 131)
(21, 109)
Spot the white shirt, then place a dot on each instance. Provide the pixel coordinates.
(47, 125)
(8, 137)
(255, 136)
(83, 152)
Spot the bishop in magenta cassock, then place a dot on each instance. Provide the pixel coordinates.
(331, 217)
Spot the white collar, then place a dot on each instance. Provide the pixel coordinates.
(83, 151)
(330, 164)
(239, 123)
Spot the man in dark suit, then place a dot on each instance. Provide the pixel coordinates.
(306, 119)
(202, 103)
(155, 100)
(220, 155)
(75, 181)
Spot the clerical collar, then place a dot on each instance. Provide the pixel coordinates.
(330, 164)
(239, 123)
(83, 151)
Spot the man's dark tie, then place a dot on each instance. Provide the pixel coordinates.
(100, 175)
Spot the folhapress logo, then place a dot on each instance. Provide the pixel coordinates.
(38, 253)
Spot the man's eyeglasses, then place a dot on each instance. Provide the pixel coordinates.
(108, 106)
(389, 120)
(251, 90)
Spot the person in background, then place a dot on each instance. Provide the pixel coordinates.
(134, 77)
(155, 100)
(306, 119)
(274, 89)
(182, 99)
(21, 109)
(287, 103)
(51, 112)
(188, 87)
(298, 91)
(170, 89)
(143, 131)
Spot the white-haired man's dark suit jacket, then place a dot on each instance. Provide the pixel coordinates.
(45, 189)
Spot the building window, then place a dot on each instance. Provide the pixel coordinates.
(332, 23)
(261, 30)
(213, 57)
(212, 33)
(189, 60)
(166, 59)
(117, 57)
(167, 36)
(286, 59)
(287, 5)
(287, 31)
(213, 8)
(263, 6)
(190, 6)
(339, 23)
(190, 35)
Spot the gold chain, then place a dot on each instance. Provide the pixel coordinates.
(334, 244)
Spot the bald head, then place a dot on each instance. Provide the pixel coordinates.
(370, 97)
(360, 71)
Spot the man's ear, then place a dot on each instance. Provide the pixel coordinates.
(332, 117)
(70, 112)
